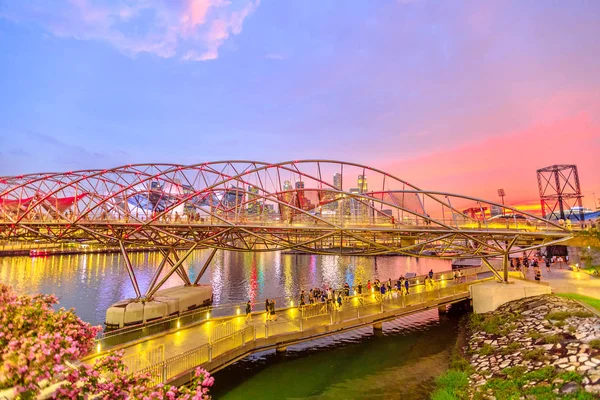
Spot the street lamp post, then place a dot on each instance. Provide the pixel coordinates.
(502, 194)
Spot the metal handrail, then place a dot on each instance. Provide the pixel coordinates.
(172, 367)
(208, 313)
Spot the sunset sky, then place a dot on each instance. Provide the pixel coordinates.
(458, 96)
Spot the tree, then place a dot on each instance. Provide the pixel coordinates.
(39, 348)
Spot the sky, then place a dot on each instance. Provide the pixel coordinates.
(458, 96)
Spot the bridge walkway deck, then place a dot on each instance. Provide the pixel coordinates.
(215, 344)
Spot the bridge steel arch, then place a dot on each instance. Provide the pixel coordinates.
(240, 205)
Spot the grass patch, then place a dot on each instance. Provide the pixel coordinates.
(511, 348)
(514, 372)
(535, 355)
(582, 314)
(493, 324)
(570, 376)
(591, 301)
(552, 339)
(571, 328)
(453, 384)
(595, 344)
(558, 315)
(534, 334)
(542, 374)
(486, 350)
(560, 324)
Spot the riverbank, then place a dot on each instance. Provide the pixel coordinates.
(545, 347)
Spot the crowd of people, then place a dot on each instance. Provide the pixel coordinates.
(333, 298)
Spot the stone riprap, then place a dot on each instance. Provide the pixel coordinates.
(548, 334)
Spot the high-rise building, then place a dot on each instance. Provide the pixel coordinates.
(362, 184)
(254, 204)
(337, 181)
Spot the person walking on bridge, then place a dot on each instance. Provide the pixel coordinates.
(406, 285)
(267, 309)
(248, 311)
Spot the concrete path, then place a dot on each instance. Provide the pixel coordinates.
(567, 281)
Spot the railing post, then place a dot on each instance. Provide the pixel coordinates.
(164, 372)
(301, 326)
(331, 317)
(209, 352)
(381, 306)
(254, 332)
(243, 338)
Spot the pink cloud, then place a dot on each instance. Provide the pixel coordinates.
(191, 30)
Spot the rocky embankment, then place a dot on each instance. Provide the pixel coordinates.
(535, 348)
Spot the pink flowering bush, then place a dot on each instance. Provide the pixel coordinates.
(38, 345)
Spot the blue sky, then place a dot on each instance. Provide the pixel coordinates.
(421, 88)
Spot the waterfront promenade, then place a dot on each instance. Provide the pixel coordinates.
(216, 343)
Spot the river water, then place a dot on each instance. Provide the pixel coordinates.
(399, 364)
(90, 283)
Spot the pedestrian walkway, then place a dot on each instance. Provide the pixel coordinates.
(567, 281)
(203, 343)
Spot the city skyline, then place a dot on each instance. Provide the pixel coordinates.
(442, 95)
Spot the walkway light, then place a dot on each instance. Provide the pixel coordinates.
(178, 324)
(98, 348)
(237, 311)
(208, 315)
(291, 303)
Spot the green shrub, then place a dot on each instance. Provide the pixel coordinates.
(571, 328)
(558, 315)
(595, 344)
(560, 324)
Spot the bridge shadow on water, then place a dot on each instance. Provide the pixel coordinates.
(400, 363)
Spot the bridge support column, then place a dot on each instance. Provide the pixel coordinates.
(442, 309)
(281, 350)
(378, 329)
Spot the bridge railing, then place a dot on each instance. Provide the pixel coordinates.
(359, 306)
(117, 337)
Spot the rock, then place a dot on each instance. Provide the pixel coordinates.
(569, 388)
(593, 389)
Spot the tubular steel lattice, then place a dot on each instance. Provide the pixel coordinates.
(317, 206)
(560, 193)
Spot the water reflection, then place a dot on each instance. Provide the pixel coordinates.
(90, 283)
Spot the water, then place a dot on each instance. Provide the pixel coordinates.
(401, 364)
(90, 283)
